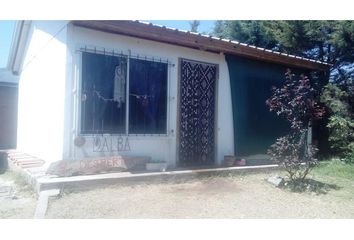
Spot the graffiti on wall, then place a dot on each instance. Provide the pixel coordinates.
(103, 143)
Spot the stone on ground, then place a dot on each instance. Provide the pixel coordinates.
(276, 181)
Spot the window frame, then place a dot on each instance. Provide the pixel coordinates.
(115, 53)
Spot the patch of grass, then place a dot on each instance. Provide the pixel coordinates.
(335, 169)
(331, 175)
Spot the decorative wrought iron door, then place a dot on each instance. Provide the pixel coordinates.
(197, 113)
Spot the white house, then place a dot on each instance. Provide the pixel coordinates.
(89, 89)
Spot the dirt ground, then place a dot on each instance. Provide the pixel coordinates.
(233, 196)
(17, 200)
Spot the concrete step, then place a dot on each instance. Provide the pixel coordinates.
(92, 181)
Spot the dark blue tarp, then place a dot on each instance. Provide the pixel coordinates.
(255, 127)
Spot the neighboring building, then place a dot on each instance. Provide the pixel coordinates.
(103, 88)
(8, 109)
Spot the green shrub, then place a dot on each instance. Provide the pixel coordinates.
(349, 156)
(341, 121)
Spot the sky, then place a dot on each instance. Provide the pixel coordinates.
(205, 25)
(7, 28)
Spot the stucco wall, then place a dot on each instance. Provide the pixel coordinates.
(158, 147)
(41, 91)
(8, 115)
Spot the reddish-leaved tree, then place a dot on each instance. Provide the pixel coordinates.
(296, 102)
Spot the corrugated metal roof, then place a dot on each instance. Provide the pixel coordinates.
(235, 42)
(199, 41)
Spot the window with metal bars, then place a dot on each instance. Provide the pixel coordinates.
(105, 106)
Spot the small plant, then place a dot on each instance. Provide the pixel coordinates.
(295, 101)
(292, 152)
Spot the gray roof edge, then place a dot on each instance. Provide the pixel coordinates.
(19, 40)
(14, 45)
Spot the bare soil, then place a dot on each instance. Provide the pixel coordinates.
(232, 196)
(17, 200)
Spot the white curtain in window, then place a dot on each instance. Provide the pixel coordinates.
(119, 84)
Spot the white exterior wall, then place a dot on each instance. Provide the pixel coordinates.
(158, 147)
(41, 91)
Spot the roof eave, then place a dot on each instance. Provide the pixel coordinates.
(19, 40)
(200, 42)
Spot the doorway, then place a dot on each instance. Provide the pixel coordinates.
(197, 102)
